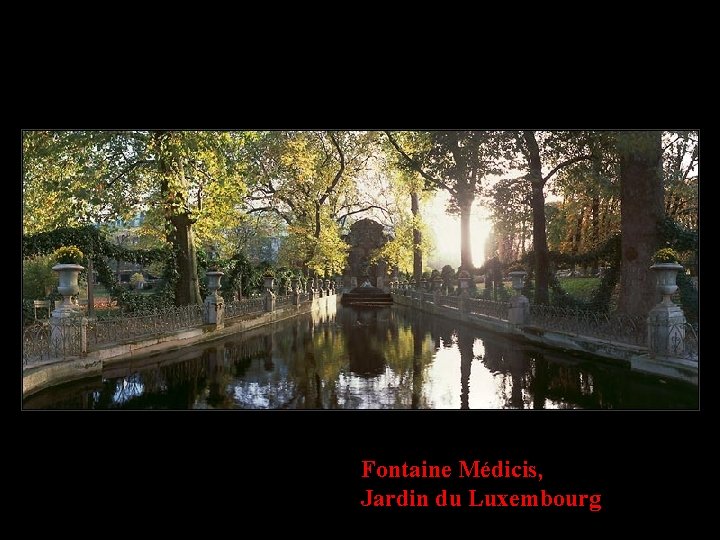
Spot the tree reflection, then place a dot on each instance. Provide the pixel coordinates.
(372, 358)
(465, 345)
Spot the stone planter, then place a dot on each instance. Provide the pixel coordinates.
(268, 282)
(518, 279)
(214, 303)
(68, 286)
(214, 278)
(666, 279)
(666, 321)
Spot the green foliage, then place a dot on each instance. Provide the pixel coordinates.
(398, 251)
(68, 255)
(688, 297)
(516, 266)
(136, 278)
(38, 277)
(330, 251)
(100, 250)
(665, 255)
(136, 302)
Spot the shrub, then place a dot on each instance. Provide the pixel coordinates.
(136, 278)
(68, 255)
(665, 255)
(39, 280)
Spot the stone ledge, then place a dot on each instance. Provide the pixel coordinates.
(634, 356)
(44, 376)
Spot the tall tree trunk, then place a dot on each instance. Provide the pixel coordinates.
(577, 237)
(465, 202)
(417, 237)
(641, 210)
(595, 236)
(537, 204)
(187, 287)
(179, 221)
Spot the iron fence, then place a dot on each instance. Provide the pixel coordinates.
(690, 343)
(481, 306)
(616, 327)
(144, 324)
(244, 307)
(283, 300)
(42, 344)
(449, 301)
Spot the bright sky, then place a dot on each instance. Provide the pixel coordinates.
(447, 231)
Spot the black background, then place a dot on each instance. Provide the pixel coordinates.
(301, 470)
(298, 472)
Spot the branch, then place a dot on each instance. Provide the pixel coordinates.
(128, 169)
(365, 209)
(566, 163)
(338, 175)
(284, 217)
(435, 181)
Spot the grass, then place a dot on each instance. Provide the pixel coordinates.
(580, 288)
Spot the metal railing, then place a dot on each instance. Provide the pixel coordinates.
(449, 301)
(481, 306)
(690, 343)
(244, 307)
(283, 300)
(145, 324)
(615, 326)
(41, 344)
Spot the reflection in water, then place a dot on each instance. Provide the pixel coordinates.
(357, 358)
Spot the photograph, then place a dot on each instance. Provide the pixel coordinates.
(454, 270)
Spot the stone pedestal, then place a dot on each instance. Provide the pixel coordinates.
(269, 301)
(214, 310)
(353, 282)
(519, 311)
(381, 283)
(666, 331)
(68, 334)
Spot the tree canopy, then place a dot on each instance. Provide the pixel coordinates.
(556, 197)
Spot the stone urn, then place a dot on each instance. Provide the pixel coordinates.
(214, 281)
(68, 285)
(518, 279)
(268, 282)
(666, 279)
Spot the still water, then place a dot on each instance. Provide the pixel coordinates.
(377, 358)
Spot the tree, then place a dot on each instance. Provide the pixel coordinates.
(405, 183)
(307, 178)
(642, 210)
(535, 151)
(456, 161)
(180, 179)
